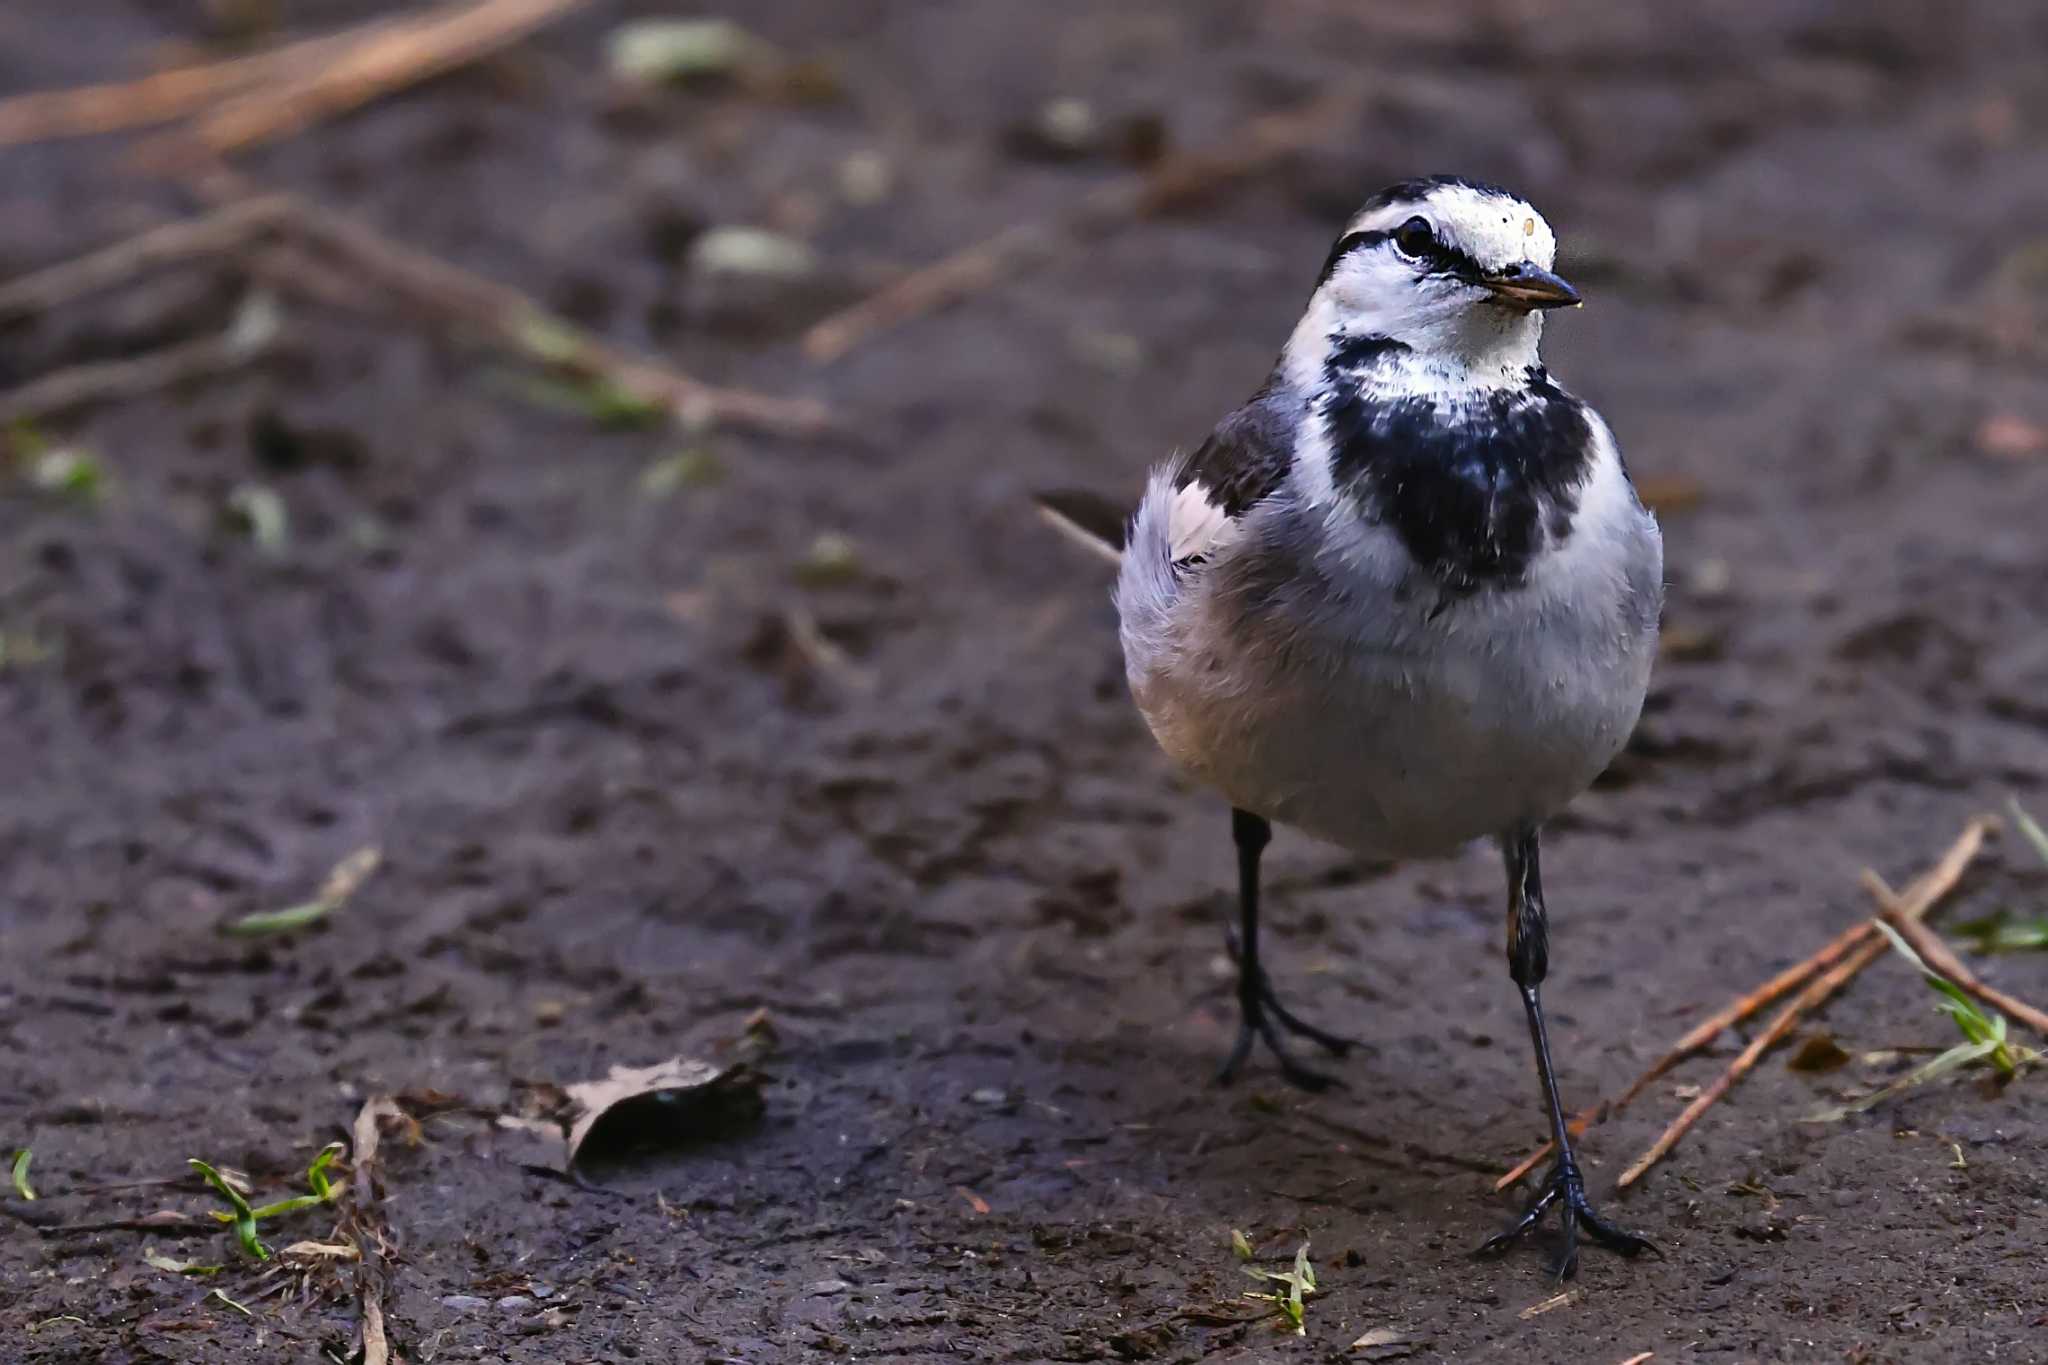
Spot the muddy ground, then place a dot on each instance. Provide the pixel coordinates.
(623, 806)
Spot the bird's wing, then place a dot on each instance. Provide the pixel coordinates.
(1244, 461)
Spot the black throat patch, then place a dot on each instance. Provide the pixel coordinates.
(1477, 487)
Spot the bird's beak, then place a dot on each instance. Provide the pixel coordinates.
(1528, 286)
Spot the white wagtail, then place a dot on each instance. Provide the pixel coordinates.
(1406, 596)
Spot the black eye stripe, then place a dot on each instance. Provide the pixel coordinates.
(1439, 258)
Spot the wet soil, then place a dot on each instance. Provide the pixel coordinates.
(624, 805)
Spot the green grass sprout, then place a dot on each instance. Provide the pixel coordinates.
(325, 1191)
(1240, 1244)
(339, 888)
(69, 472)
(1984, 1039)
(1977, 1027)
(2001, 933)
(241, 1215)
(1300, 1282)
(21, 1185)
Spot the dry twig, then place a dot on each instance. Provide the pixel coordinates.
(118, 380)
(438, 290)
(1174, 182)
(166, 95)
(1737, 1010)
(1859, 938)
(242, 102)
(218, 232)
(1921, 896)
(362, 1222)
(381, 59)
(1943, 959)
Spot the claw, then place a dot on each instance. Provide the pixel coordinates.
(1565, 1187)
(1255, 1024)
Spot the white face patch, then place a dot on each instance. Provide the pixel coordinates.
(1494, 230)
(1457, 338)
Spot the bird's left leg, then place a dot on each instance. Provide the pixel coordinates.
(1260, 1013)
(1528, 961)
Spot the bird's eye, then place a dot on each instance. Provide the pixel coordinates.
(1414, 237)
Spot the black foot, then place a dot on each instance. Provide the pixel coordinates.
(1567, 1189)
(1263, 1016)
(1255, 1023)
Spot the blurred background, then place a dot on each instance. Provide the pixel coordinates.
(577, 454)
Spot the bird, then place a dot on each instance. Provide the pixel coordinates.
(1404, 598)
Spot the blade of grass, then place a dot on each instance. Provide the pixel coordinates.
(340, 887)
(243, 1217)
(1919, 897)
(1929, 947)
(2000, 933)
(21, 1185)
(1983, 1034)
(1300, 1282)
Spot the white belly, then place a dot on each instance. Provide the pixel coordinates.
(1398, 755)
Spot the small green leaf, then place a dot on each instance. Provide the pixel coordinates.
(242, 1216)
(21, 1185)
(69, 471)
(291, 1205)
(316, 1174)
(1240, 1244)
(340, 887)
(279, 921)
(2001, 934)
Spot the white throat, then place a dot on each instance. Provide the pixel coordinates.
(1445, 355)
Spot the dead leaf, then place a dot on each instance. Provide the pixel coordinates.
(1820, 1052)
(324, 1251)
(679, 1098)
(1389, 1343)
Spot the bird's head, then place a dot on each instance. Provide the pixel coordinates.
(1448, 276)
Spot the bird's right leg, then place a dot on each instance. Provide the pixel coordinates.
(1260, 1013)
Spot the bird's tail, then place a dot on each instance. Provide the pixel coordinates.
(1088, 519)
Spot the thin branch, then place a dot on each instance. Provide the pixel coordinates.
(1921, 897)
(114, 381)
(166, 95)
(215, 234)
(440, 291)
(1943, 959)
(1737, 1010)
(378, 63)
